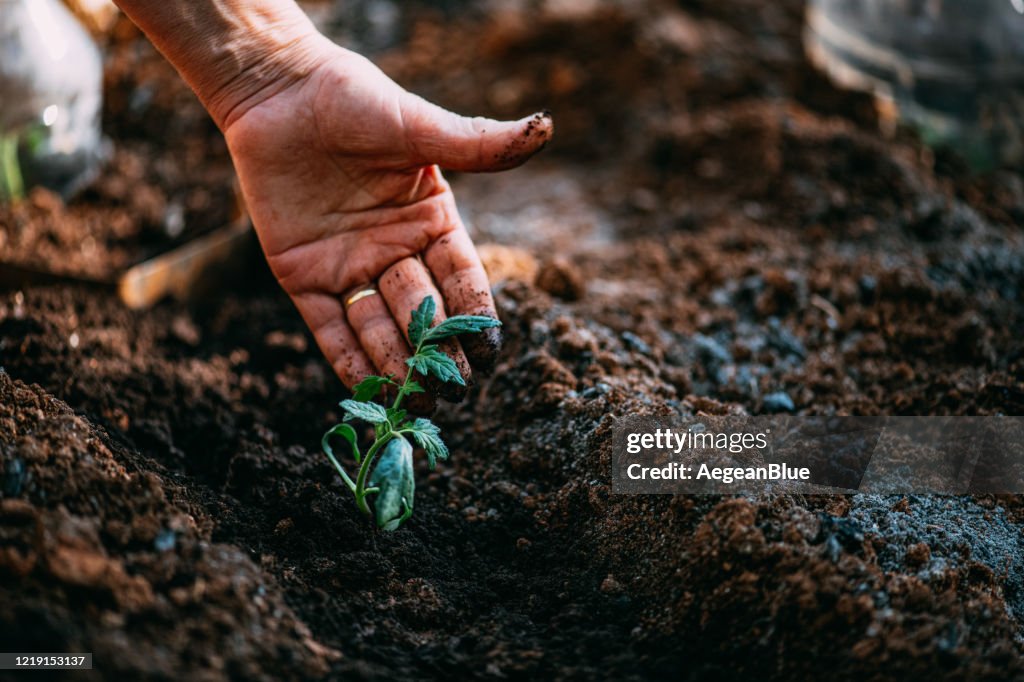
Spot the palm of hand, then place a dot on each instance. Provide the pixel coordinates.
(340, 177)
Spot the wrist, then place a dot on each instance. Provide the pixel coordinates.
(260, 64)
(233, 53)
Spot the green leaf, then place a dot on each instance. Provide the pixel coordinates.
(432, 361)
(461, 324)
(395, 416)
(413, 387)
(421, 320)
(394, 476)
(395, 523)
(428, 437)
(367, 389)
(349, 434)
(346, 432)
(370, 412)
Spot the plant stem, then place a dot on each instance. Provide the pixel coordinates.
(341, 470)
(364, 470)
(401, 390)
(12, 185)
(408, 378)
(360, 489)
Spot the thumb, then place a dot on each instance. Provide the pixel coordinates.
(437, 136)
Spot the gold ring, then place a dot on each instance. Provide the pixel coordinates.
(359, 296)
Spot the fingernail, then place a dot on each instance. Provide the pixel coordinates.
(482, 349)
(539, 122)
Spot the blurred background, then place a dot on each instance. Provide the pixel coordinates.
(92, 113)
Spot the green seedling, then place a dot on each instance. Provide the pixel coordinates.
(12, 186)
(392, 478)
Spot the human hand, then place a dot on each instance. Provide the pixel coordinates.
(340, 172)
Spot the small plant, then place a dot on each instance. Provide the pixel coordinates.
(392, 479)
(12, 186)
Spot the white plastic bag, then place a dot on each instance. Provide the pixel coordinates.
(51, 77)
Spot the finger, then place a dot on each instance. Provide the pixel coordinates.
(437, 136)
(382, 341)
(463, 282)
(404, 286)
(325, 317)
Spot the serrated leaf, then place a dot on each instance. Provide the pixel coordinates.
(413, 387)
(431, 361)
(421, 320)
(394, 476)
(461, 324)
(428, 436)
(368, 388)
(369, 412)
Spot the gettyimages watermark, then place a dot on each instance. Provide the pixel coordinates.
(786, 454)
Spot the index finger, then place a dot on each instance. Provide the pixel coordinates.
(462, 280)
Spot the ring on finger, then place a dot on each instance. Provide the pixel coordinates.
(360, 295)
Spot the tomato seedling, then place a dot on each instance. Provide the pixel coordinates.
(392, 479)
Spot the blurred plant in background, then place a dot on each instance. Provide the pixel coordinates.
(51, 76)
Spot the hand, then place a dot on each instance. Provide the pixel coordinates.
(340, 171)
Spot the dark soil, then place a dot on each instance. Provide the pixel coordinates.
(733, 236)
